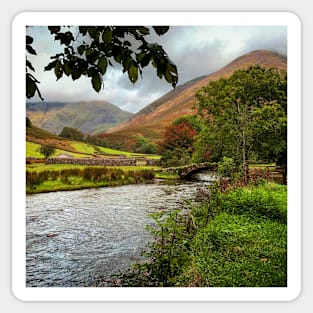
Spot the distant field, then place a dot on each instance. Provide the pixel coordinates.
(39, 167)
(32, 151)
(83, 147)
(83, 150)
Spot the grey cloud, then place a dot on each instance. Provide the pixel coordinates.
(195, 51)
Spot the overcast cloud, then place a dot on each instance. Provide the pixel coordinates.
(196, 51)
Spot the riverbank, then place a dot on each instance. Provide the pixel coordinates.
(233, 238)
(76, 178)
(42, 178)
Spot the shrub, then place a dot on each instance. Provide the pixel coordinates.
(260, 201)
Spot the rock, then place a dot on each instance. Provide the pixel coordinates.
(51, 235)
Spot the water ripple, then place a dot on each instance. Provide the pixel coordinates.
(74, 237)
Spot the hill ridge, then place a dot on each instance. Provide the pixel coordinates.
(90, 117)
(152, 120)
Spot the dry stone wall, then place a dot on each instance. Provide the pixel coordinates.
(104, 161)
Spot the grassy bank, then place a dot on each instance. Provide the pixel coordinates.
(57, 177)
(235, 238)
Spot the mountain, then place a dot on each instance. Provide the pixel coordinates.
(89, 117)
(151, 121)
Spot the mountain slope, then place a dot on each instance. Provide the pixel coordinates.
(89, 117)
(152, 120)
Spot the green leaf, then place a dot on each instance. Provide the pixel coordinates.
(58, 70)
(93, 32)
(50, 66)
(145, 60)
(127, 43)
(30, 66)
(102, 64)
(76, 72)
(54, 29)
(83, 30)
(81, 49)
(160, 30)
(30, 49)
(107, 35)
(143, 30)
(96, 81)
(30, 87)
(29, 40)
(133, 72)
(67, 68)
(170, 74)
(68, 37)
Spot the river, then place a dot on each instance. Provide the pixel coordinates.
(75, 237)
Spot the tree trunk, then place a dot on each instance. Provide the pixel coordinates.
(245, 160)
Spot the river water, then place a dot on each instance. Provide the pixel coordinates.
(75, 237)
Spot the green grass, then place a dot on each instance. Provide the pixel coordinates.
(40, 167)
(114, 152)
(268, 201)
(81, 178)
(238, 251)
(32, 151)
(83, 147)
(236, 238)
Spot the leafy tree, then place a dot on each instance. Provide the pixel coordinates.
(178, 141)
(143, 145)
(47, 150)
(89, 50)
(72, 133)
(244, 114)
(94, 140)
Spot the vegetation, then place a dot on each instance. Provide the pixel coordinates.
(72, 133)
(143, 145)
(54, 178)
(244, 117)
(89, 50)
(32, 151)
(47, 150)
(233, 238)
(177, 147)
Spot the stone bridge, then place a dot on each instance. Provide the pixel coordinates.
(191, 169)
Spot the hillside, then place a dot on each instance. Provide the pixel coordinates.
(151, 121)
(89, 117)
(36, 137)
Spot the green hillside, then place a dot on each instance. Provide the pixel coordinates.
(88, 117)
(35, 137)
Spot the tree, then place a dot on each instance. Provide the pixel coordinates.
(72, 133)
(244, 114)
(47, 150)
(178, 141)
(89, 50)
(143, 145)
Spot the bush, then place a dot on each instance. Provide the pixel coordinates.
(263, 201)
(47, 150)
(227, 168)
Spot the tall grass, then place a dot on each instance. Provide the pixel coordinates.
(234, 238)
(87, 177)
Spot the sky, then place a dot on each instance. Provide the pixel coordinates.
(196, 51)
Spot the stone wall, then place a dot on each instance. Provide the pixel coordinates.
(104, 161)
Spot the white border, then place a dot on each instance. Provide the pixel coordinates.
(294, 156)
